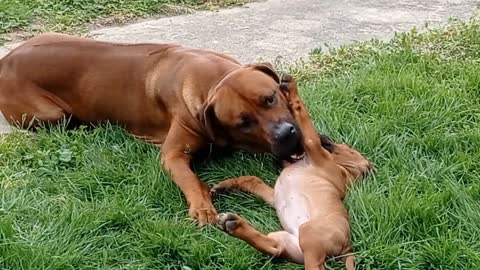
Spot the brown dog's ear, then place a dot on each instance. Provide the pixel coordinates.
(268, 64)
(212, 126)
(266, 68)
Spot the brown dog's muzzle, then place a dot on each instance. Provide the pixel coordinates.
(287, 139)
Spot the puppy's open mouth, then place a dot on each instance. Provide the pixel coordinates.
(297, 157)
(298, 154)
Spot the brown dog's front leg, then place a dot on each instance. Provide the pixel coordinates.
(176, 156)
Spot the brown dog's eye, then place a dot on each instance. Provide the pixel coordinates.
(270, 100)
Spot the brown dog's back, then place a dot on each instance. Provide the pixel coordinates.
(97, 81)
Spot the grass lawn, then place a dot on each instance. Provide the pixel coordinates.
(86, 199)
(72, 15)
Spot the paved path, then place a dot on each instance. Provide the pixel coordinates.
(287, 29)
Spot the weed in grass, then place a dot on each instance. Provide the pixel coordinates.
(72, 16)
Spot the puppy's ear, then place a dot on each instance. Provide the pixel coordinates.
(327, 142)
(266, 68)
(213, 129)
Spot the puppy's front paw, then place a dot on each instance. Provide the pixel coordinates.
(285, 80)
(228, 222)
(288, 86)
(219, 189)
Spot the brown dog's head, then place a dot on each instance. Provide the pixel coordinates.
(248, 111)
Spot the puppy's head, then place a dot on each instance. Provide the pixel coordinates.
(248, 111)
(344, 155)
(352, 160)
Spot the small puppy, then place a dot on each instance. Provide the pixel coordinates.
(307, 196)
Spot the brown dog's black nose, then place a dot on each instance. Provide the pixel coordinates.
(285, 131)
(287, 139)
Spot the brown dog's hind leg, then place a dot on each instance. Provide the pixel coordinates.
(276, 244)
(311, 140)
(249, 184)
(26, 105)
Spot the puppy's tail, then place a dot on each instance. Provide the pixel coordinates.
(349, 262)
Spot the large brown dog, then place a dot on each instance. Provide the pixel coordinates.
(166, 94)
(308, 199)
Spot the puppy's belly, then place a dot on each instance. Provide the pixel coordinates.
(291, 202)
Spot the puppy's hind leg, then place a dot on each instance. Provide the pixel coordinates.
(312, 245)
(320, 238)
(276, 244)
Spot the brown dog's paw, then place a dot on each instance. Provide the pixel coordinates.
(203, 214)
(229, 222)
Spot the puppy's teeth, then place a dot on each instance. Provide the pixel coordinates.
(297, 156)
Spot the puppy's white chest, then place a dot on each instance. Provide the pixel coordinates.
(290, 200)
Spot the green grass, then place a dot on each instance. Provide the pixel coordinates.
(71, 15)
(87, 199)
